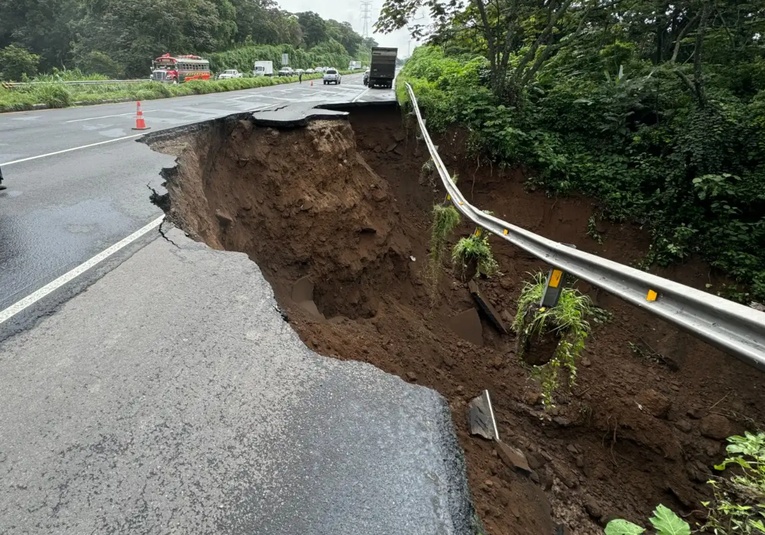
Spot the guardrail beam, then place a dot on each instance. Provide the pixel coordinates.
(735, 328)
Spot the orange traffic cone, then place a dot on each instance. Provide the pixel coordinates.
(140, 124)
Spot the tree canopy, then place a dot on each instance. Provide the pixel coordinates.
(121, 37)
(655, 108)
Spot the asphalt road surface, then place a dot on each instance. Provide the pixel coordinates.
(77, 180)
(172, 398)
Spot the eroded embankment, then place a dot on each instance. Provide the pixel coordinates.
(344, 203)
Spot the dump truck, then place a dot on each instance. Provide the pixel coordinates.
(382, 71)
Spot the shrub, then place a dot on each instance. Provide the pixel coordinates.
(738, 506)
(473, 256)
(664, 521)
(55, 96)
(445, 220)
(17, 63)
(566, 323)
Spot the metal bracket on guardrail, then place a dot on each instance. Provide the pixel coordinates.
(733, 327)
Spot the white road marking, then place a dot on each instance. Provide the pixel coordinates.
(357, 97)
(100, 117)
(22, 160)
(32, 298)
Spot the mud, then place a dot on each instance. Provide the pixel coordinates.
(344, 203)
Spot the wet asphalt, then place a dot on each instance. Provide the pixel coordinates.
(171, 397)
(62, 208)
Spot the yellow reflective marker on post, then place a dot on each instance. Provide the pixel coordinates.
(652, 296)
(477, 233)
(505, 232)
(555, 278)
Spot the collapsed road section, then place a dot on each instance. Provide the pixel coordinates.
(335, 209)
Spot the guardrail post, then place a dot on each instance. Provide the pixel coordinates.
(556, 281)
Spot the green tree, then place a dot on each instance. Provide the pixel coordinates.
(528, 30)
(314, 28)
(343, 33)
(17, 62)
(40, 26)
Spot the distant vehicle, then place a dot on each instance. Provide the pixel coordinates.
(299, 71)
(263, 68)
(229, 74)
(319, 69)
(366, 77)
(382, 71)
(354, 65)
(309, 71)
(286, 71)
(177, 69)
(332, 76)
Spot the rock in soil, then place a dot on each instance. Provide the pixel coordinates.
(715, 426)
(654, 403)
(513, 457)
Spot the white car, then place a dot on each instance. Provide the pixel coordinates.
(309, 71)
(332, 76)
(286, 71)
(229, 73)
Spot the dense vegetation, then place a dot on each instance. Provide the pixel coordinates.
(56, 95)
(119, 38)
(657, 109)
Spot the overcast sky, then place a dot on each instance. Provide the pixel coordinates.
(350, 11)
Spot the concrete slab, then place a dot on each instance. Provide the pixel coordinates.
(294, 114)
(171, 397)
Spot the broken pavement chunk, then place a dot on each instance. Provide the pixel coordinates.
(486, 307)
(481, 417)
(223, 218)
(512, 457)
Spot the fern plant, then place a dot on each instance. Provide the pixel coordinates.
(567, 321)
(664, 522)
(445, 220)
(473, 256)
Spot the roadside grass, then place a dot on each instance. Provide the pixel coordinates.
(57, 95)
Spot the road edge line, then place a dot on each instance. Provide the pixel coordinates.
(357, 97)
(67, 277)
(22, 160)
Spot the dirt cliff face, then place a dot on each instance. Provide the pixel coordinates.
(300, 202)
(346, 204)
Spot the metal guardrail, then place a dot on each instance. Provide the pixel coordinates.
(735, 328)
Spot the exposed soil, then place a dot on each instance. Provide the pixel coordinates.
(346, 204)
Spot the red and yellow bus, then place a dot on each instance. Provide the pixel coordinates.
(178, 69)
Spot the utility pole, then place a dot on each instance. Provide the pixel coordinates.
(366, 6)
